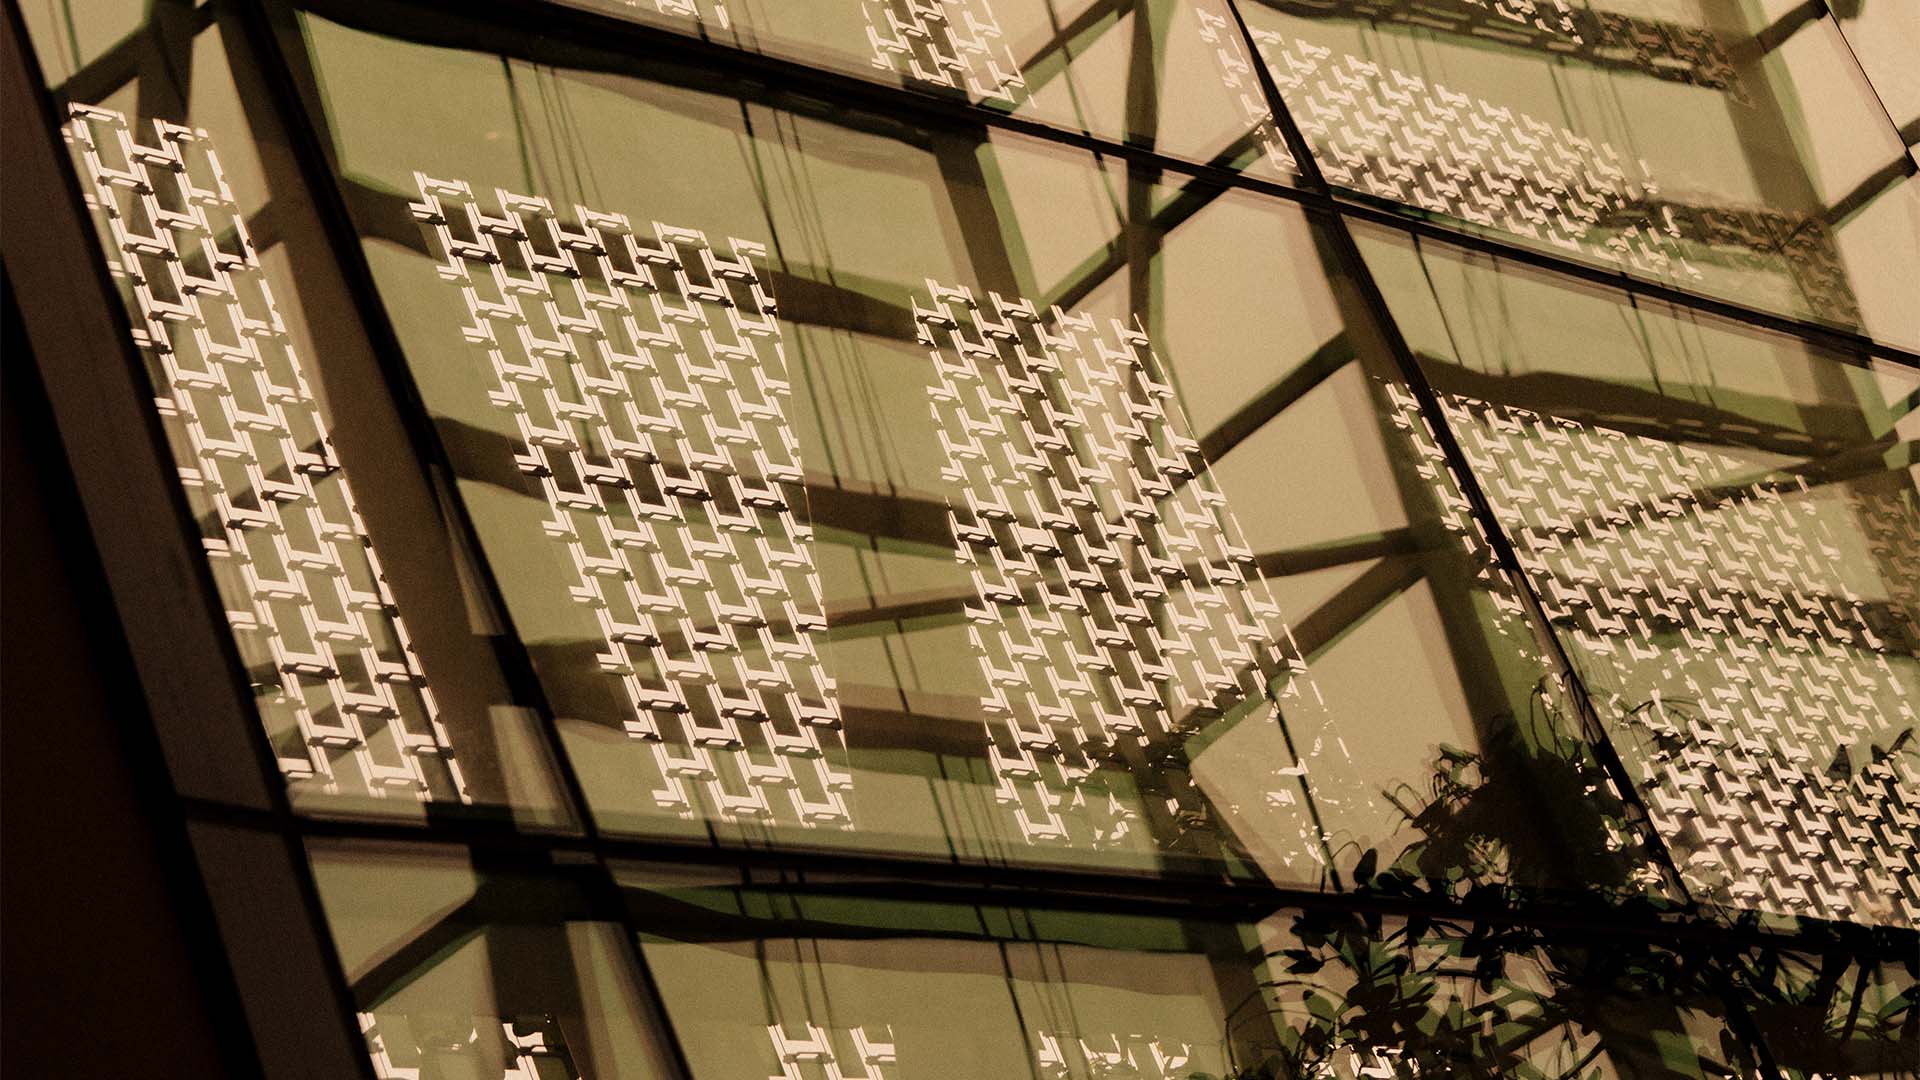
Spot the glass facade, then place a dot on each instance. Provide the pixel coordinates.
(881, 539)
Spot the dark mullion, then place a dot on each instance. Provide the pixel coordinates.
(102, 396)
(1852, 344)
(1452, 571)
(1190, 199)
(1305, 377)
(134, 726)
(1356, 602)
(103, 402)
(915, 878)
(281, 74)
(241, 905)
(283, 80)
(1076, 36)
(897, 98)
(126, 59)
(164, 72)
(282, 213)
(761, 77)
(292, 829)
(604, 893)
(1764, 124)
(1470, 648)
(1139, 238)
(1590, 55)
(1347, 252)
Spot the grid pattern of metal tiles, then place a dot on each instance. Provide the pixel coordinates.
(335, 676)
(859, 1053)
(1395, 136)
(645, 380)
(1718, 618)
(1118, 607)
(952, 43)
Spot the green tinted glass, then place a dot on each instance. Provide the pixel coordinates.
(1846, 1009)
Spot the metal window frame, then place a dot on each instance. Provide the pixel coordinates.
(161, 587)
(175, 627)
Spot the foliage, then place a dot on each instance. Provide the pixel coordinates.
(1492, 993)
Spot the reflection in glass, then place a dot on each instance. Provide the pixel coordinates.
(796, 986)
(649, 390)
(1355, 996)
(1110, 611)
(369, 661)
(83, 40)
(474, 966)
(335, 676)
(1147, 72)
(1722, 527)
(1116, 607)
(805, 982)
(1691, 147)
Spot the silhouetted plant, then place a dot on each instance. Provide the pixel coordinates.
(1356, 993)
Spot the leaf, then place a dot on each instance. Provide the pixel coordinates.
(1364, 869)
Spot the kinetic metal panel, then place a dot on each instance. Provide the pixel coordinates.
(861, 1053)
(649, 388)
(334, 673)
(1118, 610)
(1395, 136)
(954, 43)
(698, 10)
(1501, 20)
(1759, 699)
(951, 43)
(867, 1053)
(1392, 135)
(1236, 72)
(425, 1048)
(1662, 48)
(1066, 1056)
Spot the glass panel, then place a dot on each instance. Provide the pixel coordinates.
(1685, 142)
(1167, 74)
(371, 663)
(103, 41)
(1059, 512)
(858, 983)
(1885, 36)
(1724, 529)
(474, 966)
